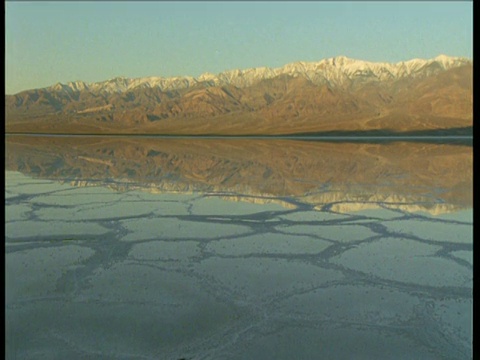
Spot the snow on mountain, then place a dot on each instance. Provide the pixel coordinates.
(335, 71)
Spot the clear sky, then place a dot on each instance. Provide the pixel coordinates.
(50, 42)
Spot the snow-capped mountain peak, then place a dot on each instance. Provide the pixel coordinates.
(335, 71)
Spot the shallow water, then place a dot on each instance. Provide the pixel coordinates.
(129, 248)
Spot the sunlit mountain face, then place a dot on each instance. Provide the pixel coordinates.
(336, 94)
(341, 176)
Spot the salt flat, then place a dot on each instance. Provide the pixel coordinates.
(122, 269)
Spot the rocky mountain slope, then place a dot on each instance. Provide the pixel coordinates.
(336, 94)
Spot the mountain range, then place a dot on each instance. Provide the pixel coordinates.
(333, 95)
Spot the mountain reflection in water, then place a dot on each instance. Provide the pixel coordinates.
(340, 176)
(337, 250)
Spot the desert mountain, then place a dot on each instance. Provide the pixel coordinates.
(336, 94)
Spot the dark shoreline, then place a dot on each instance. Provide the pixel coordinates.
(461, 132)
(463, 136)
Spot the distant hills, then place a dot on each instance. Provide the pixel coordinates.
(332, 95)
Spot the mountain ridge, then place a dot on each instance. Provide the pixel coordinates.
(345, 65)
(335, 94)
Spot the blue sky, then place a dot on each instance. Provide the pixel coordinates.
(50, 42)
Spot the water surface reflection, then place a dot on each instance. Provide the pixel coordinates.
(315, 173)
(237, 249)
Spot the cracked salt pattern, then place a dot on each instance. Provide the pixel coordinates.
(270, 243)
(437, 231)
(92, 273)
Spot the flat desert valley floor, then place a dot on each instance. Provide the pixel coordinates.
(145, 248)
